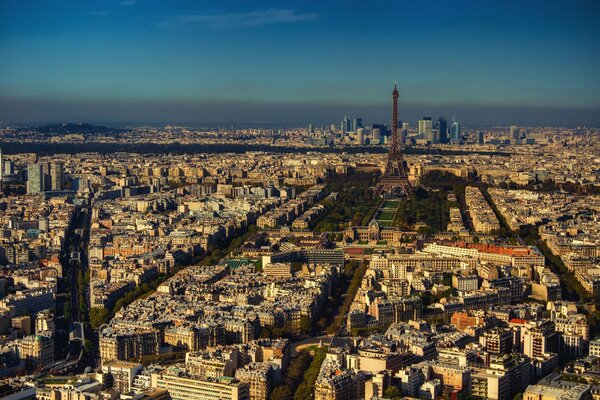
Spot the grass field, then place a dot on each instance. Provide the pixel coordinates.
(386, 212)
(385, 216)
(390, 204)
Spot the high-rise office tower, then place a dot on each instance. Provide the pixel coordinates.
(404, 132)
(310, 128)
(480, 137)
(382, 127)
(360, 136)
(35, 178)
(455, 131)
(376, 135)
(401, 135)
(426, 129)
(442, 128)
(515, 133)
(347, 124)
(421, 127)
(356, 123)
(383, 131)
(56, 175)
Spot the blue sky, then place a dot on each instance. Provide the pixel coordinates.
(299, 61)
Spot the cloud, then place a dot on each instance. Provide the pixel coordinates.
(98, 13)
(127, 3)
(235, 19)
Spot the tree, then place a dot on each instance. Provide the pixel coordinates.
(87, 345)
(472, 397)
(305, 324)
(282, 392)
(67, 309)
(447, 279)
(392, 392)
(98, 317)
(306, 389)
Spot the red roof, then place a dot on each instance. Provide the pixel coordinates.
(355, 250)
(517, 321)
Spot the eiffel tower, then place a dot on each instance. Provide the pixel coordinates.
(394, 181)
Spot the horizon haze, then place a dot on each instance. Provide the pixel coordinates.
(268, 62)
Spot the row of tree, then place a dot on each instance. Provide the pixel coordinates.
(300, 376)
(354, 203)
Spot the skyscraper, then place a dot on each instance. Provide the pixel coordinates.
(376, 132)
(480, 137)
(356, 123)
(35, 178)
(345, 126)
(404, 132)
(56, 175)
(515, 133)
(360, 136)
(421, 126)
(426, 129)
(455, 131)
(442, 128)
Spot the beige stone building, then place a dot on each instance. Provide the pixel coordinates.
(185, 387)
(37, 349)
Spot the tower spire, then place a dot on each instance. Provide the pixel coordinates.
(394, 181)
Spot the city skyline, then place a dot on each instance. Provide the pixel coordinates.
(262, 200)
(298, 63)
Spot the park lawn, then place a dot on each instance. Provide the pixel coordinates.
(386, 223)
(390, 204)
(385, 216)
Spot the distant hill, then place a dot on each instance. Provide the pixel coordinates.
(68, 128)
